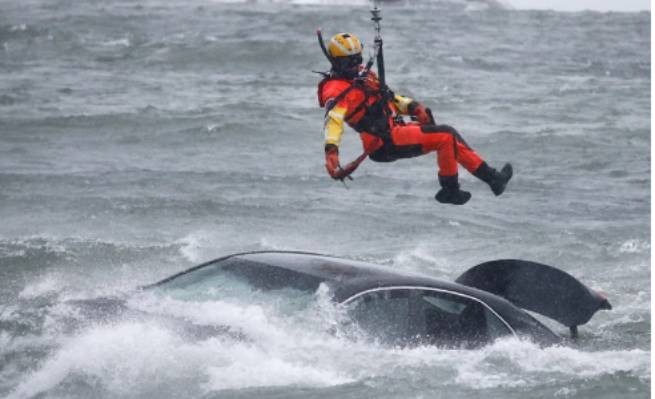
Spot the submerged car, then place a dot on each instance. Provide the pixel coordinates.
(488, 301)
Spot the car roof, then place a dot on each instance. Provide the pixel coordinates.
(348, 277)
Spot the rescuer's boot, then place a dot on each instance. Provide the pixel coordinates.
(450, 192)
(496, 180)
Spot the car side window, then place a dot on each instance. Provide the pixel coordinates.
(455, 320)
(384, 316)
(425, 317)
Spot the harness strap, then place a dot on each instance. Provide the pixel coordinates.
(363, 105)
(360, 106)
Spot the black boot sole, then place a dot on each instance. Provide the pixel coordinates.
(458, 197)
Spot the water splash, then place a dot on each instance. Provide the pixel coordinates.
(634, 246)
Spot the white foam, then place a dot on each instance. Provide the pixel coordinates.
(565, 392)
(270, 244)
(189, 246)
(250, 319)
(298, 341)
(634, 246)
(202, 245)
(633, 308)
(251, 367)
(122, 42)
(212, 127)
(419, 259)
(44, 242)
(124, 357)
(47, 284)
(199, 246)
(18, 28)
(481, 5)
(292, 243)
(137, 357)
(537, 364)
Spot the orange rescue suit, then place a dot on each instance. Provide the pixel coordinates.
(385, 136)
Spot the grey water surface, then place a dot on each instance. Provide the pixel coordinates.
(139, 138)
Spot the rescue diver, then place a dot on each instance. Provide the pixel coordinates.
(350, 93)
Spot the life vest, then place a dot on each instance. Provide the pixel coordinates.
(371, 114)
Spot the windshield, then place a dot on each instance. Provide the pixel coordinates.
(243, 281)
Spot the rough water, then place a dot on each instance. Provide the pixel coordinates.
(140, 138)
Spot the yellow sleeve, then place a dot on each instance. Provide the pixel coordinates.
(402, 102)
(333, 125)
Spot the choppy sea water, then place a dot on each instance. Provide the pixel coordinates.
(140, 138)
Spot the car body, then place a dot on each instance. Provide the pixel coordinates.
(402, 308)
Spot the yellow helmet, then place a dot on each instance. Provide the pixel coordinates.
(344, 45)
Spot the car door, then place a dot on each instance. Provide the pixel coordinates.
(409, 316)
